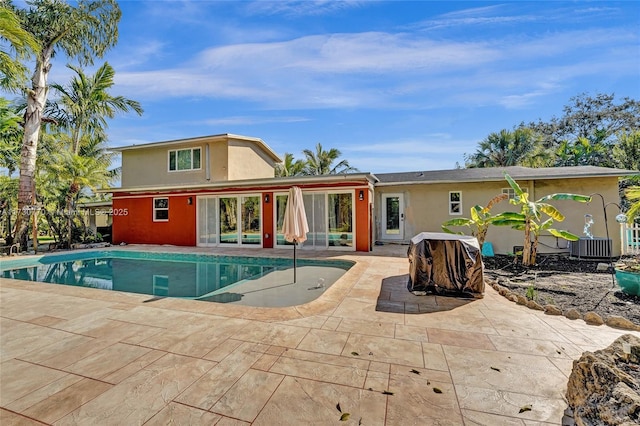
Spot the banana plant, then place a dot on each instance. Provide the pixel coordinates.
(633, 195)
(479, 222)
(530, 218)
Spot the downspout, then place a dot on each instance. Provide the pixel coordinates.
(207, 163)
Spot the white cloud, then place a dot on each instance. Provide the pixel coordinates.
(430, 144)
(396, 70)
(301, 8)
(253, 120)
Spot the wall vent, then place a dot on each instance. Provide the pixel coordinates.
(598, 248)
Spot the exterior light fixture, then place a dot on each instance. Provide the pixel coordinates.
(621, 218)
(190, 200)
(266, 198)
(361, 195)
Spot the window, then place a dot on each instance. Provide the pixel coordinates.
(184, 159)
(160, 209)
(455, 202)
(511, 193)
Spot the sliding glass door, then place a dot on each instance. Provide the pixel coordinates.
(250, 219)
(340, 219)
(207, 221)
(229, 220)
(280, 206)
(228, 214)
(330, 219)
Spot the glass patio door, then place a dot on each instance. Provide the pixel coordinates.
(315, 207)
(280, 206)
(330, 218)
(240, 220)
(392, 217)
(228, 213)
(250, 219)
(207, 221)
(340, 218)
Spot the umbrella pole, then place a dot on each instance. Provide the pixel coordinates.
(295, 243)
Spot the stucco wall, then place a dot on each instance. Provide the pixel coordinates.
(426, 208)
(133, 221)
(235, 161)
(247, 162)
(150, 166)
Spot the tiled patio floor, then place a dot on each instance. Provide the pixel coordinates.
(386, 357)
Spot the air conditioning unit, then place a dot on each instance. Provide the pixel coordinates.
(598, 248)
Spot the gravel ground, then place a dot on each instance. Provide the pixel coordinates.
(567, 283)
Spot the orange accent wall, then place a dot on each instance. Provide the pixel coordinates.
(133, 218)
(362, 220)
(267, 220)
(133, 221)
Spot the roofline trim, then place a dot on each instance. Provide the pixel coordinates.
(370, 180)
(496, 179)
(222, 136)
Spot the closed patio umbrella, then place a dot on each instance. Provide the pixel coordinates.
(295, 226)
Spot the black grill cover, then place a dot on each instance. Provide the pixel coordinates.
(445, 264)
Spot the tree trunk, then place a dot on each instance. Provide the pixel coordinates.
(70, 235)
(34, 228)
(36, 99)
(526, 250)
(534, 250)
(482, 235)
(53, 227)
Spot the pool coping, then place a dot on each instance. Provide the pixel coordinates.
(326, 303)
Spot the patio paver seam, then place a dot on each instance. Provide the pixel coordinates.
(23, 416)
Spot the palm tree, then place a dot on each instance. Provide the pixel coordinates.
(503, 149)
(12, 72)
(633, 195)
(289, 167)
(85, 104)
(8, 193)
(626, 152)
(582, 152)
(82, 32)
(81, 172)
(320, 162)
(9, 137)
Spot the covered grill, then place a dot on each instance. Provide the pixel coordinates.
(445, 264)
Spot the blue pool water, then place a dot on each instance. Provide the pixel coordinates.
(192, 276)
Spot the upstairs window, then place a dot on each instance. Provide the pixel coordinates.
(184, 159)
(455, 202)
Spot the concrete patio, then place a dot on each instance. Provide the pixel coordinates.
(83, 356)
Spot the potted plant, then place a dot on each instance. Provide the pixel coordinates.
(628, 275)
(628, 269)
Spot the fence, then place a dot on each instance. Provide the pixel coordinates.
(630, 238)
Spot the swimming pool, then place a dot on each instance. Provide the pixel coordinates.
(254, 281)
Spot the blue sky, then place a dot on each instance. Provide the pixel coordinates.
(395, 86)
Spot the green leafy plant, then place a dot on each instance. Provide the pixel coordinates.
(531, 293)
(633, 195)
(479, 222)
(530, 218)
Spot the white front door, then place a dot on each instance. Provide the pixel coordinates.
(392, 217)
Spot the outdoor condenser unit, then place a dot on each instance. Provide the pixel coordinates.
(591, 247)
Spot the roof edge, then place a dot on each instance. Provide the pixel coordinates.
(221, 136)
(370, 179)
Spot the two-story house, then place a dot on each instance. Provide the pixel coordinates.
(221, 191)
